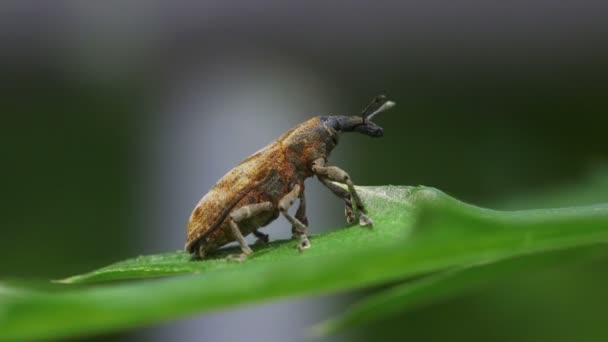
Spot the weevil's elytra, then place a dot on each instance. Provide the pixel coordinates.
(267, 183)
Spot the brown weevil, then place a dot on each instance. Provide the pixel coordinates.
(267, 183)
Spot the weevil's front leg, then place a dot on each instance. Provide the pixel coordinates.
(300, 214)
(300, 228)
(334, 173)
(240, 215)
(345, 195)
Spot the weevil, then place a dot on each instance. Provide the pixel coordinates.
(267, 183)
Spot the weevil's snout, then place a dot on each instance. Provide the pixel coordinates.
(362, 124)
(371, 129)
(376, 131)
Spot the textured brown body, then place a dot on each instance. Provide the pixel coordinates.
(267, 175)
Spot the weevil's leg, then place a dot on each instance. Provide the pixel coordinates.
(337, 190)
(300, 214)
(336, 174)
(245, 250)
(300, 228)
(342, 193)
(242, 214)
(262, 238)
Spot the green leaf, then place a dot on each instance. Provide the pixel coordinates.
(417, 230)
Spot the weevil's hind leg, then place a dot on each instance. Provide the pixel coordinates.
(240, 215)
(334, 173)
(262, 239)
(300, 228)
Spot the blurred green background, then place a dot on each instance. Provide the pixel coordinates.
(502, 105)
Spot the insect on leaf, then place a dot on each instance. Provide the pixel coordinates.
(417, 231)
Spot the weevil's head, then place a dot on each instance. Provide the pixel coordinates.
(362, 124)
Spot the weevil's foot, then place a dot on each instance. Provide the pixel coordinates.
(348, 212)
(236, 257)
(365, 221)
(304, 243)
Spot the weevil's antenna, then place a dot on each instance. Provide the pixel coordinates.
(379, 104)
(386, 106)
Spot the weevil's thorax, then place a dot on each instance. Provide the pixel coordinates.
(307, 142)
